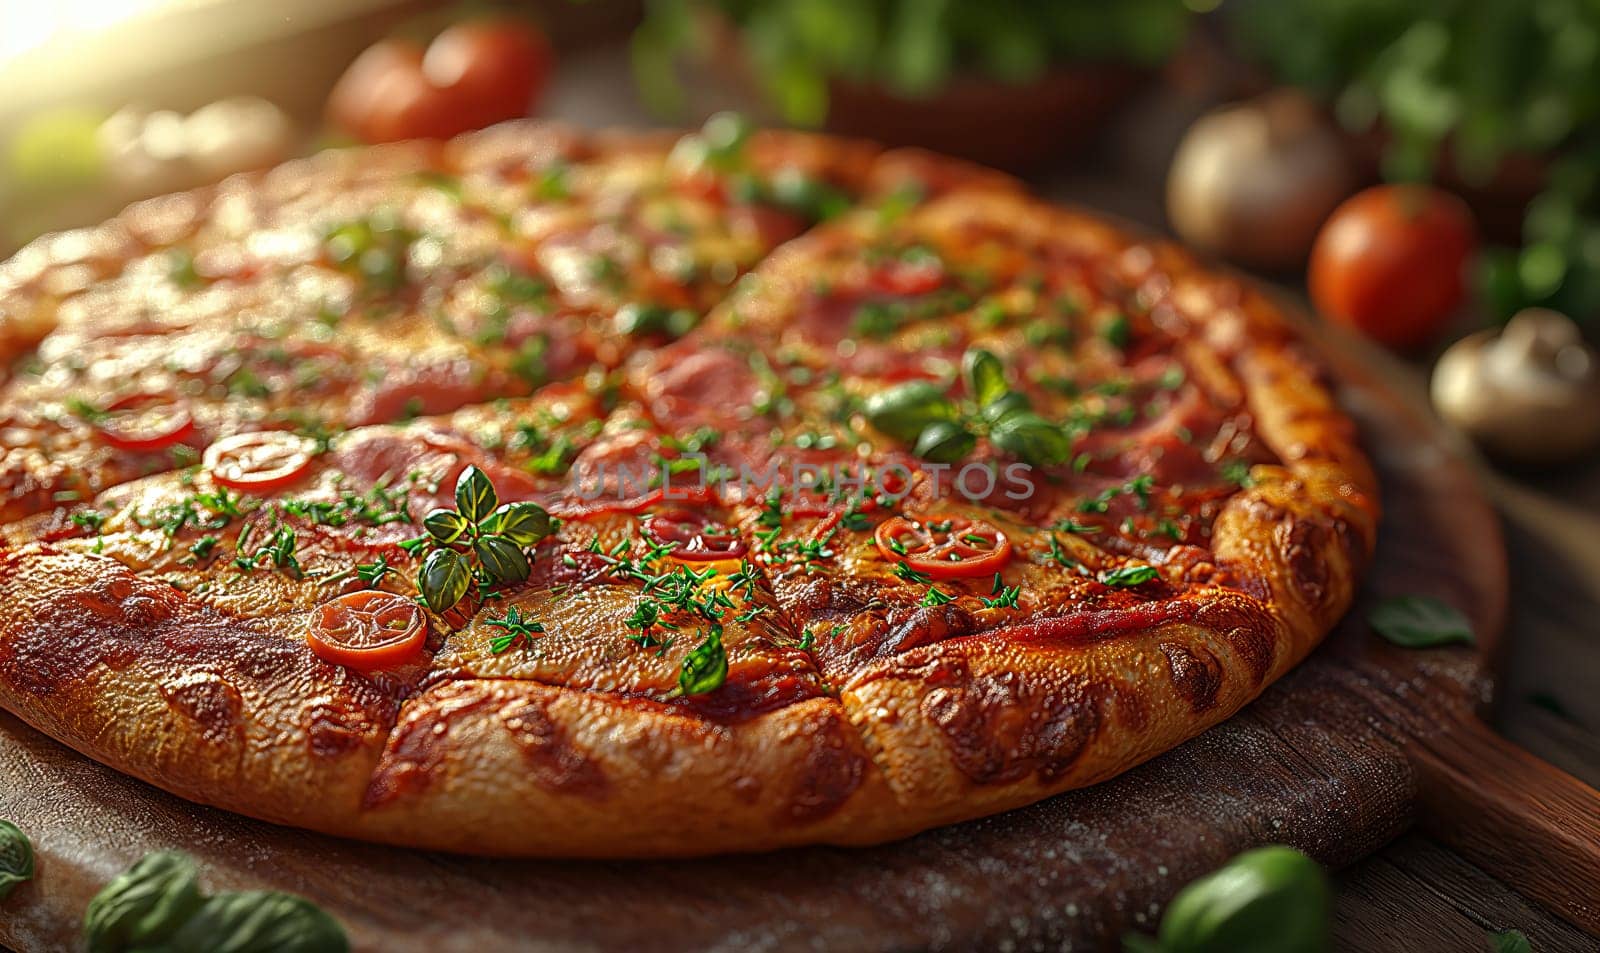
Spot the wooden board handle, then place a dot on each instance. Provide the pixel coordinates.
(1531, 824)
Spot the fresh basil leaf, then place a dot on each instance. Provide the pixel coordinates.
(502, 559)
(903, 410)
(258, 921)
(1269, 900)
(1129, 576)
(1420, 622)
(443, 579)
(1005, 405)
(706, 668)
(985, 376)
(944, 441)
(475, 496)
(522, 523)
(143, 905)
(1030, 437)
(16, 857)
(444, 525)
(1510, 941)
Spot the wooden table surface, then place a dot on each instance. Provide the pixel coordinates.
(1415, 895)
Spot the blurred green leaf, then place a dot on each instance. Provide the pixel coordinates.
(919, 51)
(912, 47)
(654, 49)
(56, 149)
(1474, 81)
(1510, 941)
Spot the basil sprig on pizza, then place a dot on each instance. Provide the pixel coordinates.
(504, 495)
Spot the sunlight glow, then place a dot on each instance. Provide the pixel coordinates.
(26, 24)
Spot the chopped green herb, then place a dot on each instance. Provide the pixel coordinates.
(440, 181)
(1129, 576)
(1002, 596)
(203, 546)
(89, 519)
(1237, 472)
(553, 183)
(180, 269)
(84, 410)
(705, 669)
(1059, 554)
(514, 628)
(1118, 332)
(904, 571)
(373, 573)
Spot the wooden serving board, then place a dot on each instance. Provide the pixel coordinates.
(1336, 759)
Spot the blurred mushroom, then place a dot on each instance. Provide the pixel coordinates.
(1253, 182)
(1529, 393)
(145, 154)
(237, 135)
(154, 152)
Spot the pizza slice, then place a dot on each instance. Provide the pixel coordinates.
(352, 289)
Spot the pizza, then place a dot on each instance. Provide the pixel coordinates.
(561, 493)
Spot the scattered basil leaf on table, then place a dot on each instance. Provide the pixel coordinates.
(143, 905)
(155, 906)
(1269, 900)
(258, 921)
(16, 857)
(1420, 622)
(1509, 941)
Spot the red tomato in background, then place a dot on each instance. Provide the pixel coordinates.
(474, 74)
(1391, 262)
(497, 69)
(383, 97)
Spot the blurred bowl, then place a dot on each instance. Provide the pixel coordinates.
(1499, 202)
(1018, 127)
